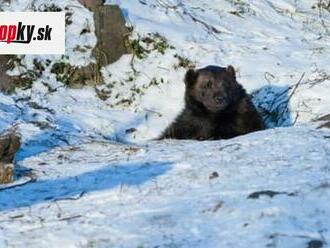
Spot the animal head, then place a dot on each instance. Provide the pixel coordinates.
(215, 88)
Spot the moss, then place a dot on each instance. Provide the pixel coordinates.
(183, 62)
(103, 94)
(63, 71)
(322, 5)
(160, 43)
(24, 80)
(156, 42)
(76, 77)
(68, 17)
(125, 102)
(38, 67)
(236, 13)
(49, 8)
(138, 50)
(241, 8)
(14, 61)
(141, 47)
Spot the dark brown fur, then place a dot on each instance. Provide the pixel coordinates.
(216, 107)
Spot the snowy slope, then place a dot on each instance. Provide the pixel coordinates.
(272, 45)
(89, 176)
(267, 189)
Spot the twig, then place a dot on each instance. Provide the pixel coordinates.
(31, 180)
(73, 198)
(153, 112)
(16, 216)
(286, 101)
(268, 74)
(296, 86)
(71, 217)
(293, 235)
(324, 77)
(59, 214)
(210, 28)
(230, 145)
(296, 119)
(167, 6)
(132, 63)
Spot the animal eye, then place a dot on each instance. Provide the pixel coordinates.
(209, 84)
(202, 94)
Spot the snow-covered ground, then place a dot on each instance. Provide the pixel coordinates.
(272, 44)
(266, 189)
(89, 176)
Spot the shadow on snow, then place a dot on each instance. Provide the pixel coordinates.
(108, 177)
(272, 102)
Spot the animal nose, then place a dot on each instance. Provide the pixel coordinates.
(220, 99)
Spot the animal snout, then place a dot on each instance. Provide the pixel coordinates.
(220, 99)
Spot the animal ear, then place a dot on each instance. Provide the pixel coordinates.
(190, 78)
(230, 69)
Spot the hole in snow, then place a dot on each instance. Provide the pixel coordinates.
(272, 102)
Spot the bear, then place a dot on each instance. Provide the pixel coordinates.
(216, 107)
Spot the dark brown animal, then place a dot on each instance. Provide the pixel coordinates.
(216, 107)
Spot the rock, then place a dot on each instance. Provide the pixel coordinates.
(89, 75)
(6, 173)
(326, 121)
(9, 83)
(315, 244)
(77, 77)
(6, 81)
(213, 175)
(9, 145)
(269, 193)
(92, 4)
(111, 34)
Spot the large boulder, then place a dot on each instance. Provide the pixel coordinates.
(9, 145)
(111, 33)
(9, 83)
(92, 4)
(110, 30)
(5, 80)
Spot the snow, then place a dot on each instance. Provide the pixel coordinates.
(101, 194)
(90, 175)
